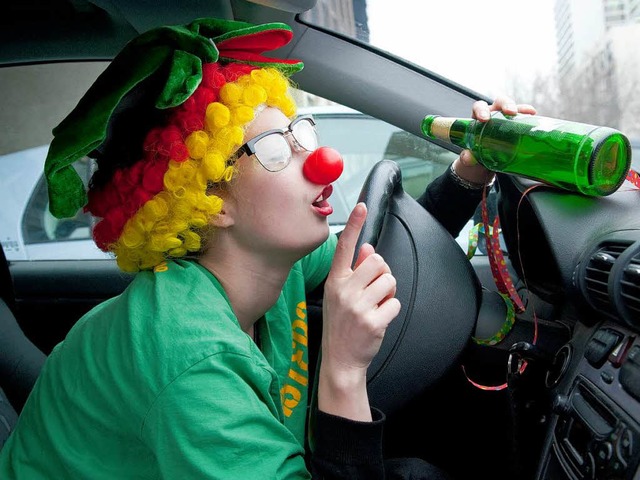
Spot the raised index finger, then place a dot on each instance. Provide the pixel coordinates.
(347, 242)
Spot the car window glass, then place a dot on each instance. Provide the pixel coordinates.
(40, 226)
(28, 231)
(363, 141)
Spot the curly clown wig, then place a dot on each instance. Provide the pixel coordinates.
(163, 122)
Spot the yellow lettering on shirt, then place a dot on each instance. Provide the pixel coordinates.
(299, 372)
(290, 399)
(300, 332)
(297, 377)
(299, 361)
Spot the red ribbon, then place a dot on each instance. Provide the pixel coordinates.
(501, 274)
(502, 279)
(634, 178)
(496, 258)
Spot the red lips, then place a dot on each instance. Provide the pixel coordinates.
(321, 204)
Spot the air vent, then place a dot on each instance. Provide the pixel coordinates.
(597, 274)
(630, 287)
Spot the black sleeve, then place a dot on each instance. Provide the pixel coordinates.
(450, 202)
(347, 449)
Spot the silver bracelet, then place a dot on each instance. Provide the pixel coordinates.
(466, 183)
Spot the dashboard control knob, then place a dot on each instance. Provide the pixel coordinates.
(560, 404)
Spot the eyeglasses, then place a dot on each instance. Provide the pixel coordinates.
(272, 148)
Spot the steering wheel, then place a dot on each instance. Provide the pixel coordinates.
(437, 287)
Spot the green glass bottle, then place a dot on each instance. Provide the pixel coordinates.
(575, 156)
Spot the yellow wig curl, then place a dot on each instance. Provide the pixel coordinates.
(172, 223)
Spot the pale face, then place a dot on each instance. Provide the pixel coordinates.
(277, 213)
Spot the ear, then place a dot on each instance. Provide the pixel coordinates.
(225, 218)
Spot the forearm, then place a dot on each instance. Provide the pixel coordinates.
(343, 394)
(452, 199)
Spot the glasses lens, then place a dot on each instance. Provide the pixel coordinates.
(305, 134)
(273, 152)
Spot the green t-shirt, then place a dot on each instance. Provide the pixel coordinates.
(161, 382)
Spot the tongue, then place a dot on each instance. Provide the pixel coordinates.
(323, 207)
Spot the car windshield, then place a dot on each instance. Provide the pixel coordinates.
(571, 59)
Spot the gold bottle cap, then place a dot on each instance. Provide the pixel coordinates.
(441, 126)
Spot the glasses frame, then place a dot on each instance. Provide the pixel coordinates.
(249, 147)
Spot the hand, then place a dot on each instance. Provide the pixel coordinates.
(466, 166)
(358, 305)
(359, 302)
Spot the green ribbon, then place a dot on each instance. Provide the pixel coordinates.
(504, 329)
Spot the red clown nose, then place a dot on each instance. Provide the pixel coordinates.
(323, 166)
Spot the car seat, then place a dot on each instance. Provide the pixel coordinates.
(20, 359)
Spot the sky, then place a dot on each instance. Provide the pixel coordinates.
(481, 44)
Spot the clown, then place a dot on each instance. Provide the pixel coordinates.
(216, 195)
(153, 203)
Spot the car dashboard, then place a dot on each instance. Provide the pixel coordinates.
(582, 255)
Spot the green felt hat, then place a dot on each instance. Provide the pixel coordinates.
(172, 57)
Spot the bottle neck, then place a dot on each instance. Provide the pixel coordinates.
(448, 129)
(459, 132)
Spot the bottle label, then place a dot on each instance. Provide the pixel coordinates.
(441, 126)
